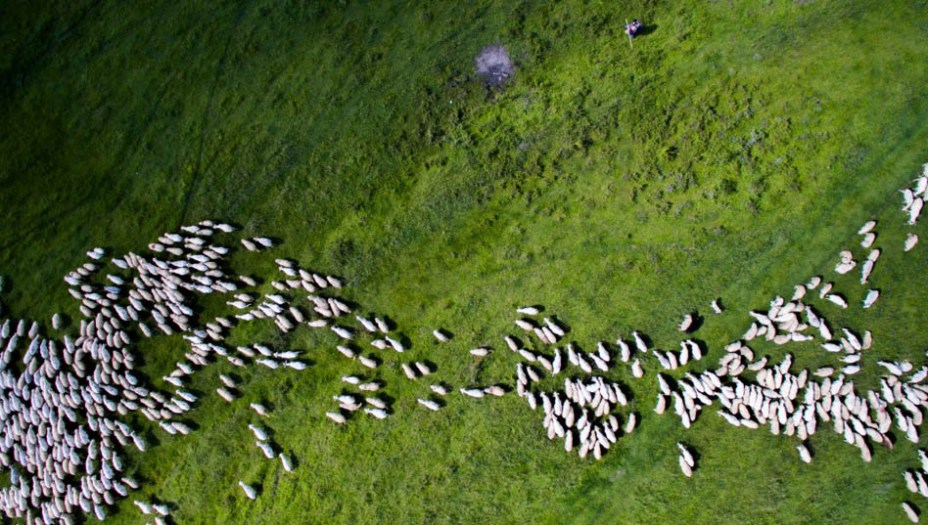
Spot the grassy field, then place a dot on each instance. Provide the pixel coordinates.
(732, 152)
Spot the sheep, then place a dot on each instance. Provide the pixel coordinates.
(378, 413)
(838, 300)
(408, 371)
(441, 335)
(685, 467)
(396, 344)
(868, 240)
(352, 380)
(910, 241)
(804, 453)
(915, 210)
(367, 362)
(228, 381)
(472, 392)
(250, 246)
(866, 228)
(225, 394)
(716, 306)
(336, 417)
(910, 511)
(431, 405)
(631, 423)
(439, 389)
(661, 405)
(249, 491)
(495, 390)
(554, 327)
(367, 324)
(259, 432)
(481, 351)
(872, 296)
(686, 323)
(345, 351)
(259, 409)
(343, 332)
(528, 310)
(686, 455)
(285, 462)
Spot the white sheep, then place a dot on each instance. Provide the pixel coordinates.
(429, 404)
(249, 491)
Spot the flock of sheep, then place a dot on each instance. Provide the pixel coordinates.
(65, 395)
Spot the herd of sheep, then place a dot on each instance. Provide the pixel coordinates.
(65, 393)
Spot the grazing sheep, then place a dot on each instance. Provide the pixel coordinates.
(249, 491)
(866, 228)
(367, 324)
(481, 351)
(495, 390)
(910, 511)
(226, 380)
(285, 462)
(472, 392)
(336, 417)
(429, 404)
(528, 310)
(716, 306)
(343, 332)
(439, 389)
(345, 351)
(686, 323)
(838, 300)
(685, 467)
(441, 335)
(397, 345)
(511, 343)
(804, 453)
(378, 413)
(686, 455)
(367, 362)
(225, 394)
(871, 298)
(259, 432)
(910, 241)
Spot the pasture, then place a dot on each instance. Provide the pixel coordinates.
(732, 152)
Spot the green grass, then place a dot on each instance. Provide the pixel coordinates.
(731, 153)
